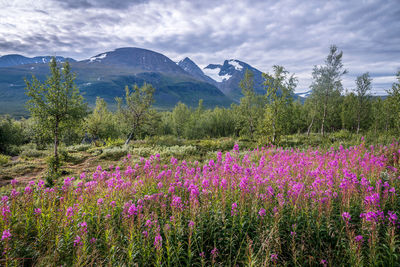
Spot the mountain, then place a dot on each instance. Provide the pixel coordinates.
(230, 73)
(136, 59)
(15, 60)
(189, 66)
(106, 74)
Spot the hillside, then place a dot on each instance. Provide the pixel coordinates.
(105, 75)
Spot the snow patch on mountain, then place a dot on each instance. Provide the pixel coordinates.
(235, 64)
(98, 57)
(214, 73)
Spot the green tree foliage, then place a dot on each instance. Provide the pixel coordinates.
(327, 84)
(11, 134)
(180, 117)
(101, 122)
(363, 90)
(249, 111)
(381, 115)
(57, 103)
(278, 111)
(349, 112)
(137, 108)
(393, 101)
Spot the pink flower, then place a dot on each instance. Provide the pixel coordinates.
(83, 226)
(261, 212)
(77, 241)
(274, 257)
(359, 239)
(6, 235)
(28, 190)
(14, 182)
(38, 211)
(234, 209)
(100, 201)
(191, 224)
(214, 252)
(346, 216)
(392, 217)
(236, 147)
(158, 242)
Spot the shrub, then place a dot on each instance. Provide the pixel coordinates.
(4, 159)
(33, 153)
(114, 153)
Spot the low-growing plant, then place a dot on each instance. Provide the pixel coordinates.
(33, 153)
(79, 148)
(4, 159)
(114, 153)
(263, 207)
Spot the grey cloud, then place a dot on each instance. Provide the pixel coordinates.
(99, 3)
(295, 34)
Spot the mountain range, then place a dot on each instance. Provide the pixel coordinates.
(106, 74)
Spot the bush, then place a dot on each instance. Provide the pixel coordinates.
(164, 140)
(4, 159)
(33, 153)
(222, 144)
(114, 153)
(80, 147)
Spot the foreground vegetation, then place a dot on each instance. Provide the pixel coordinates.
(268, 206)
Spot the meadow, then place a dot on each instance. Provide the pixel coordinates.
(265, 206)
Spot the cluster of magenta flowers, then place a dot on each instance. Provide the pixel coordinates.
(270, 206)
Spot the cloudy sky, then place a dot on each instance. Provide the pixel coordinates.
(295, 34)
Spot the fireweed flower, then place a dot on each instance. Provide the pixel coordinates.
(346, 216)
(214, 252)
(145, 233)
(158, 242)
(274, 257)
(261, 212)
(4, 199)
(234, 209)
(392, 217)
(28, 190)
(191, 224)
(6, 235)
(77, 241)
(83, 226)
(100, 201)
(70, 212)
(236, 147)
(14, 182)
(359, 239)
(38, 211)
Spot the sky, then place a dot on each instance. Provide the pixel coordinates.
(294, 34)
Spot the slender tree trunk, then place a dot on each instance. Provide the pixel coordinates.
(273, 132)
(324, 115)
(358, 122)
(310, 126)
(129, 138)
(56, 146)
(323, 122)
